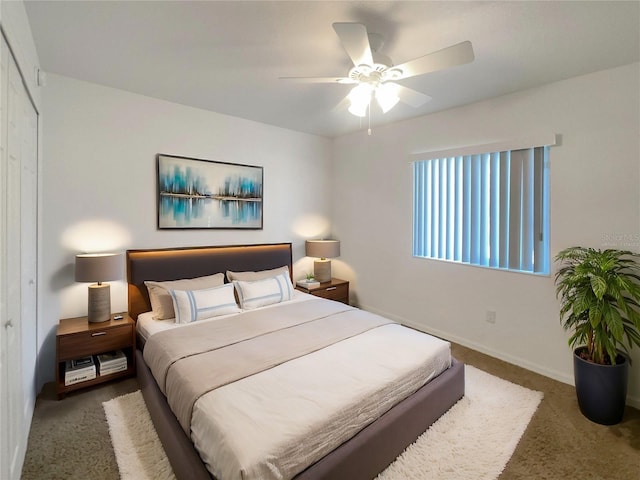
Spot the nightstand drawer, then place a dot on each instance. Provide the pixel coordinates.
(94, 341)
(334, 292)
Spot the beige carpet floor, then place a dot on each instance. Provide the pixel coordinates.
(69, 439)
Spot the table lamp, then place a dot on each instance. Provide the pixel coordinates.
(98, 267)
(322, 249)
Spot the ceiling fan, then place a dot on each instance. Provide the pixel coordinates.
(375, 75)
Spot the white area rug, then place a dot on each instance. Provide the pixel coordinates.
(139, 453)
(473, 440)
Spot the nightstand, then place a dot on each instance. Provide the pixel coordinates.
(77, 338)
(336, 289)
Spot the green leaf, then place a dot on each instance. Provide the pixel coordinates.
(614, 323)
(595, 315)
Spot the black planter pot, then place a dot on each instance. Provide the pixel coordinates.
(601, 389)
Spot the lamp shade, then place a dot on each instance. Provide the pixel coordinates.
(98, 267)
(322, 248)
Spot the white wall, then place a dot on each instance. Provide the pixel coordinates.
(100, 185)
(595, 201)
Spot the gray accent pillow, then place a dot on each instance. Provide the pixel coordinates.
(253, 276)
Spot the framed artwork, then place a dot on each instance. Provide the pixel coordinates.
(194, 193)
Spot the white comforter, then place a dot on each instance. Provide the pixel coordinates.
(274, 424)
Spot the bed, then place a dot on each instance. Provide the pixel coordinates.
(361, 456)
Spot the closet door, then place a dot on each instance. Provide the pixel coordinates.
(13, 321)
(29, 252)
(18, 262)
(4, 396)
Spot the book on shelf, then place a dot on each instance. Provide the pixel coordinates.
(79, 363)
(308, 284)
(79, 370)
(79, 377)
(79, 366)
(110, 370)
(112, 358)
(70, 372)
(111, 362)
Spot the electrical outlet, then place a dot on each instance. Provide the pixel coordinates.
(490, 316)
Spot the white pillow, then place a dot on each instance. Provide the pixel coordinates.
(192, 305)
(264, 292)
(259, 275)
(161, 302)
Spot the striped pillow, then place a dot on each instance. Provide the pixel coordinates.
(264, 292)
(192, 305)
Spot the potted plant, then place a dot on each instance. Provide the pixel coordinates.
(600, 297)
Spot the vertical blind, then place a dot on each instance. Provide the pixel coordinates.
(489, 209)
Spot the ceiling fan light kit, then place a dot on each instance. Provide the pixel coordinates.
(386, 96)
(360, 98)
(371, 81)
(375, 75)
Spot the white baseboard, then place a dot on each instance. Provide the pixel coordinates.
(465, 342)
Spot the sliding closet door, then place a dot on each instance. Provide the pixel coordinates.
(4, 396)
(18, 262)
(14, 250)
(12, 321)
(28, 251)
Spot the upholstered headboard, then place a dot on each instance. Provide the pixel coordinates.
(176, 263)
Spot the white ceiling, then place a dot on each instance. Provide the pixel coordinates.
(227, 56)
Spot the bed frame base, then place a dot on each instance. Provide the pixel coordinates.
(360, 458)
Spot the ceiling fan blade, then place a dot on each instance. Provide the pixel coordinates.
(458, 54)
(409, 96)
(355, 42)
(342, 80)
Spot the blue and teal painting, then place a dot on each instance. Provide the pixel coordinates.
(203, 194)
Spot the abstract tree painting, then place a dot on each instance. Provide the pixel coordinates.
(194, 193)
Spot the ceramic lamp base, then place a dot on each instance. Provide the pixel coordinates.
(99, 303)
(322, 270)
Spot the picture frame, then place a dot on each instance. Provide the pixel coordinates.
(193, 193)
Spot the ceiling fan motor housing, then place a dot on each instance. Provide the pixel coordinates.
(374, 74)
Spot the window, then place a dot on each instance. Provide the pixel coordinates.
(487, 209)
